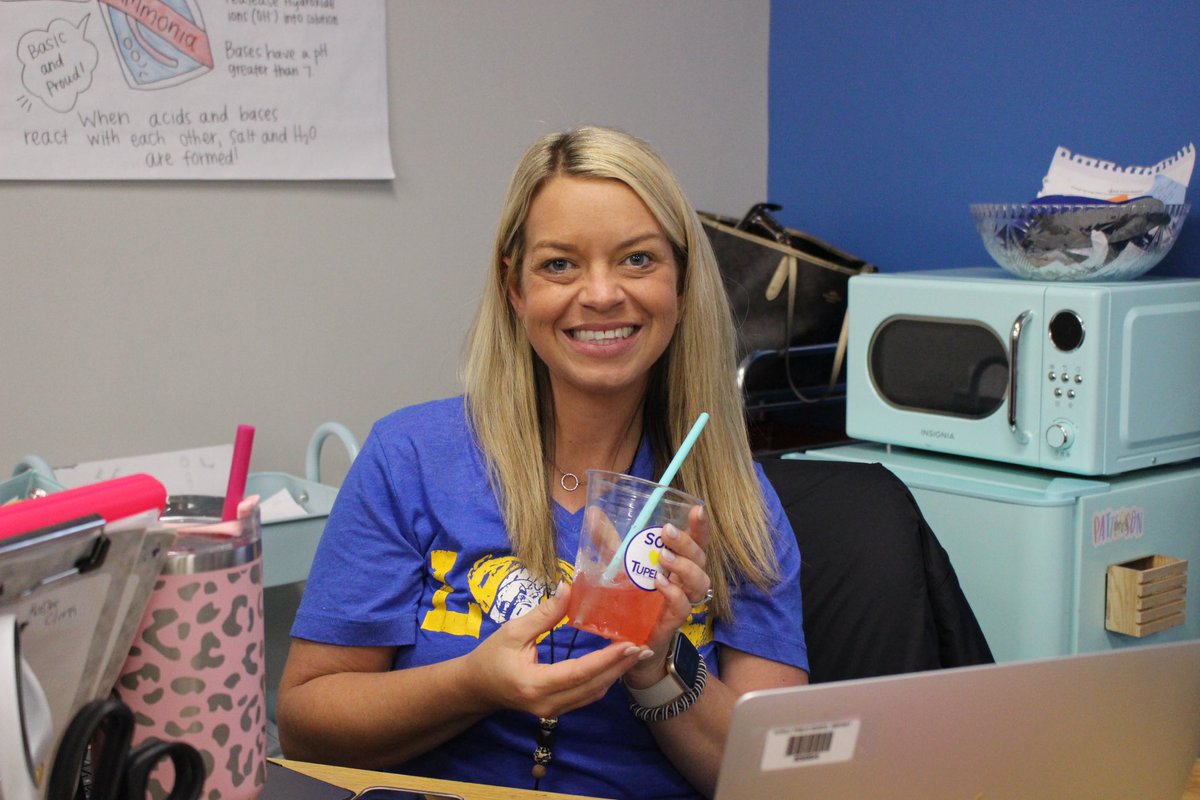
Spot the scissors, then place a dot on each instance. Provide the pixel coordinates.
(119, 771)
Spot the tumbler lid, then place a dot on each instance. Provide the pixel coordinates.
(203, 543)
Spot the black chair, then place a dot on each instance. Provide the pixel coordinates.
(880, 594)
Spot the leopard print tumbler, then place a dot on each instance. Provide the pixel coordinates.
(196, 672)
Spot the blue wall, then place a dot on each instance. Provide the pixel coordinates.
(888, 119)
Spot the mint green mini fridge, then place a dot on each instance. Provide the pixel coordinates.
(1055, 564)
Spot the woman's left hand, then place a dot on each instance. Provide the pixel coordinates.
(684, 584)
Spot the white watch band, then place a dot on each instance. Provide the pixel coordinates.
(667, 690)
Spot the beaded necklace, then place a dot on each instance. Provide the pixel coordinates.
(548, 726)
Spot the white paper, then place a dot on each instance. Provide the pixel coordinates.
(200, 89)
(200, 470)
(1083, 176)
(56, 638)
(280, 507)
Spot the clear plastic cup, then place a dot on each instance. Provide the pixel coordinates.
(620, 600)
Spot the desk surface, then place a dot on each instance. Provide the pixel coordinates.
(357, 779)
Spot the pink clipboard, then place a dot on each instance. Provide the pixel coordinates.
(111, 500)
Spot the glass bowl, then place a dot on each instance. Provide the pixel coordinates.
(1079, 242)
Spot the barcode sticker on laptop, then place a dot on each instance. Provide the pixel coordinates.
(814, 743)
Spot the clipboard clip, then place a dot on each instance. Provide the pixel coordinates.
(94, 557)
(83, 540)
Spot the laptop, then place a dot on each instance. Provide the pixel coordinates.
(1117, 724)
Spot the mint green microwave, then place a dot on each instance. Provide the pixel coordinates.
(1084, 378)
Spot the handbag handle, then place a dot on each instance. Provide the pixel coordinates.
(716, 223)
(759, 220)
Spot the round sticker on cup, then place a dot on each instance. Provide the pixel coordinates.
(642, 558)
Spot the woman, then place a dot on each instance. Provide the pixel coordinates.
(431, 639)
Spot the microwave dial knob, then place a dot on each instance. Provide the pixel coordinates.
(1060, 435)
(1066, 331)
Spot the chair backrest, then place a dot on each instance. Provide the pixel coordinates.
(880, 594)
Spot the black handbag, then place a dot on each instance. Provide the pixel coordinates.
(786, 288)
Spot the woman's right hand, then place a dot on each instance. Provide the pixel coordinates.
(510, 675)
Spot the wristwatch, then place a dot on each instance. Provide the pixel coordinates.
(678, 689)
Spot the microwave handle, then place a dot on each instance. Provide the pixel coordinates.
(1014, 346)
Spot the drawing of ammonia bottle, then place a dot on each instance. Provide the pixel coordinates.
(159, 43)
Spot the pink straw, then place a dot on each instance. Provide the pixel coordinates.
(238, 471)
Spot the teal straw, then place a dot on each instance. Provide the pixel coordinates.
(610, 572)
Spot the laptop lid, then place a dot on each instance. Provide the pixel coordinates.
(1118, 724)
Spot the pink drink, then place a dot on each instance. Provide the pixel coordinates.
(619, 611)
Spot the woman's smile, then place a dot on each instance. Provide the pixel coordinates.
(604, 342)
(609, 336)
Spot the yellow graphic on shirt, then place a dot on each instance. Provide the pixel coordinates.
(500, 587)
(441, 619)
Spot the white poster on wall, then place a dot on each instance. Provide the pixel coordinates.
(193, 89)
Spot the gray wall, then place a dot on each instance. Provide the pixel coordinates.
(146, 316)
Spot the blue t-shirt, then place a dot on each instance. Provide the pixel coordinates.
(415, 556)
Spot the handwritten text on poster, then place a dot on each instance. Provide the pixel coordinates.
(177, 89)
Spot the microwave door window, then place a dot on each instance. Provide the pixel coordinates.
(950, 367)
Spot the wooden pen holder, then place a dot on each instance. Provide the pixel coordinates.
(1146, 595)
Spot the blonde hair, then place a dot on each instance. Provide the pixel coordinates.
(508, 400)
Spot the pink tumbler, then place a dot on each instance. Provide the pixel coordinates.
(195, 672)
